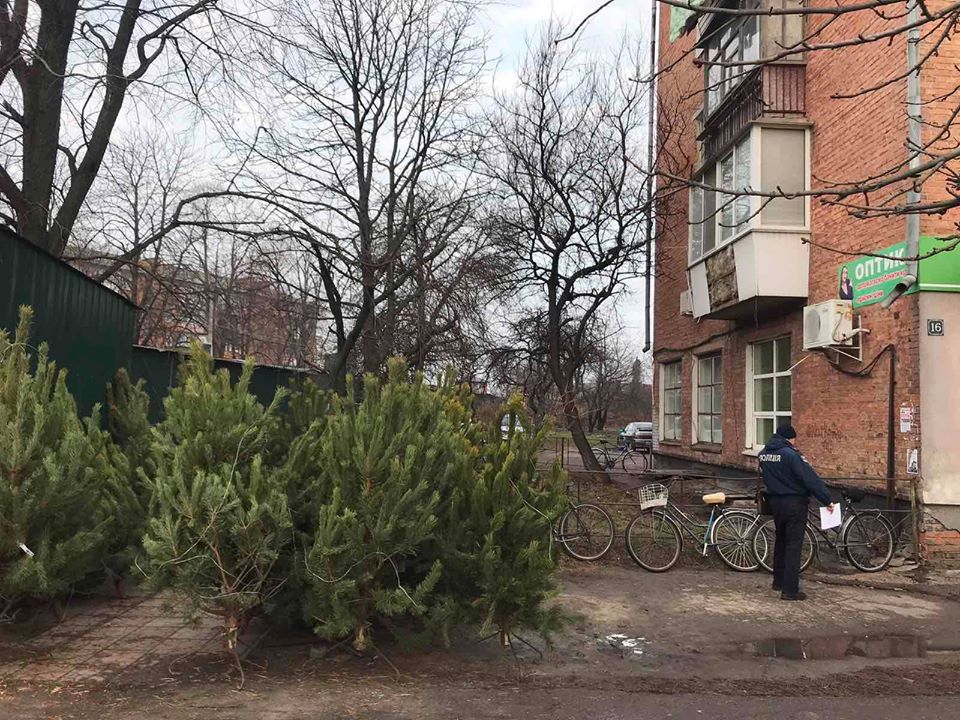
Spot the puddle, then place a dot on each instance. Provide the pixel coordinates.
(629, 648)
(841, 647)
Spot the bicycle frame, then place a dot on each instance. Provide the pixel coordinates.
(614, 455)
(850, 514)
(692, 526)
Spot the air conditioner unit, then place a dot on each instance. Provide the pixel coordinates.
(828, 324)
(686, 303)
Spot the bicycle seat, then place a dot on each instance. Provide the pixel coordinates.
(853, 495)
(717, 498)
(734, 498)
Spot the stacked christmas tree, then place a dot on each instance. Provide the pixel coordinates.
(498, 534)
(384, 467)
(61, 493)
(220, 518)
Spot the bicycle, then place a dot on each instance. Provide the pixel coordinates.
(865, 537)
(582, 529)
(654, 538)
(632, 461)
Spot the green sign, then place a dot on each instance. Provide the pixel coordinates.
(869, 280)
(940, 272)
(678, 18)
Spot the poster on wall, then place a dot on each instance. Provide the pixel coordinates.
(868, 280)
(913, 462)
(906, 419)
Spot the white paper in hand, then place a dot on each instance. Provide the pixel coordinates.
(830, 519)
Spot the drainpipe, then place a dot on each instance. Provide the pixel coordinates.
(914, 143)
(891, 430)
(651, 140)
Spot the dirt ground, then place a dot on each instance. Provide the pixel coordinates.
(697, 641)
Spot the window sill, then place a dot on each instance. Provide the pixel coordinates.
(751, 452)
(720, 246)
(798, 229)
(672, 443)
(714, 448)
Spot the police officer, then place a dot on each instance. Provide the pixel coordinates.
(789, 480)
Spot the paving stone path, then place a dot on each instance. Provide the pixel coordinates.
(100, 641)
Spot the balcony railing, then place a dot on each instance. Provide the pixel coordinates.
(766, 91)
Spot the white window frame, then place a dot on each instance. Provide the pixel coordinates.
(728, 77)
(663, 388)
(757, 181)
(752, 141)
(695, 398)
(753, 443)
(754, 221)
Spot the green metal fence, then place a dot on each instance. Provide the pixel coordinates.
(88, 327)
(91, 330)
(158, 369)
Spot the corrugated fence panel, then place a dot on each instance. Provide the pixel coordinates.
(89, 328)
(158, 369)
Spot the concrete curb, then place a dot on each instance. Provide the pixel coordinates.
(947, 592)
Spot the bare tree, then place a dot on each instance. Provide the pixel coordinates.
(605, 376)
(442, 314)
(66, 70)
(190, 267)
(570, 203)
(363, 150)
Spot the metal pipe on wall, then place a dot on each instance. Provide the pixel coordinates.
(914, 139)
(891, 429)
(651, 142)
(914, 145)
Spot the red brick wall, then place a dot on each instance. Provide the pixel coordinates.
(939, 82)
(940, 546)
(842, 420)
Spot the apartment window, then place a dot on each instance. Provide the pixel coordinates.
(735, 177)
(737, 41)
(710, 399)
(771, 158)
(670, 401)
(771, 386)
(783, 168)
(703, 208)
(716, 220)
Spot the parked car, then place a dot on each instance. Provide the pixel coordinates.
(637, 434)
(505, 425)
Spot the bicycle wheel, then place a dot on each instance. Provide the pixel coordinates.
(653, 541)
(731, 537)
(868, 542)
(763, 542)
(601, 456)
(634, 462)
(586, 532)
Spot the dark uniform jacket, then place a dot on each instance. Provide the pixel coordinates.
(786, 473)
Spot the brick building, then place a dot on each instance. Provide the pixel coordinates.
(877, 399)
(236, 315)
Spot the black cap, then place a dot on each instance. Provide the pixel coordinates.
(786, 432)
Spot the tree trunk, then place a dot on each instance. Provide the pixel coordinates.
(42, 108)
(575, 426)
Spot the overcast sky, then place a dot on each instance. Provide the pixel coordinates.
(510, 23)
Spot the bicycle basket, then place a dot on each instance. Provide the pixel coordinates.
(654, 495)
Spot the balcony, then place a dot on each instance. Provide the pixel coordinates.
(769, 91)
(760, 274)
